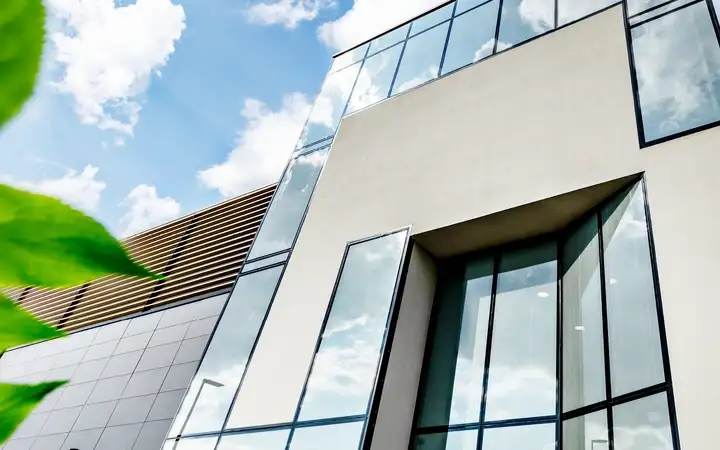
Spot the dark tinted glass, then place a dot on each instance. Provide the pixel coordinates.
(583, 343)
(522, 380)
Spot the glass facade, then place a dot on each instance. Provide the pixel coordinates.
(552, 341)
(334, 406)
(675, 47)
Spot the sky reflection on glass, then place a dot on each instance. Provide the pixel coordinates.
(677, 62)
(388, 39)
(588, 432)
(635, 353)
(522, 380)
(421, 59)
(519, 22)
(428, 21)
(329, 437)
(344, 369)
(217, 379)
(472, 37)
(376, 75)
(528, 437)
(643, 424)
(292, 196)
(266, 440)
(570, 10)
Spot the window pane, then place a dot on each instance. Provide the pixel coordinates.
(421, 59)
(349, 57)
(518, 23)
(330, 437)
(532, 437)
(583, 343)
(677, 63)
(643, 424)
(343, 373)
(375, 78)
(272, 440)
(635, 352)
(287, 209)
(329, 105)
(434, 18)
(638, 6)
(265, 262)
(388, 39)
(588, 432)
(190, 444)
(472, 37)
(522, 360)
(453, 386)
(569, 10)
(464, 5)
(213, 388)
(456, 440)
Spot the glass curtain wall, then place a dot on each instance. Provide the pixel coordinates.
(676, 57)
(554, 342)
(334, 406)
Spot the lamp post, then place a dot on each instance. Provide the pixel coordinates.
(197, 396)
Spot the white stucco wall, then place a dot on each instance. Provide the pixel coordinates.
(549, 117)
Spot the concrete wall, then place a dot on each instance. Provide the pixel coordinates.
(126, 380)
(544, 119)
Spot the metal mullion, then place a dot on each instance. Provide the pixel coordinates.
(497, 26)
(400, 60)
(352, 91)
(557, 20)
(660, 16)
(447, 40)
(649, 10)
(559, 344)
(714, 19)
(606, 332)
(661, 320)
(488, 347)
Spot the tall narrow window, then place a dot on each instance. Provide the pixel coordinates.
(522, 380)
(283, 218)
(208, 399)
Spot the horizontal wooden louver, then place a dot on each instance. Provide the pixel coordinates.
(199, 254)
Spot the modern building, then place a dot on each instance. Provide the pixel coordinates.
(498, 231)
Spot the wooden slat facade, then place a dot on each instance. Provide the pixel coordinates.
(199, 254)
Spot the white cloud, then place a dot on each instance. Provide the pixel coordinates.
(80, 190)
(262, 148)
(368, 18)
(109, 54)
(289, 13)
(146, 209)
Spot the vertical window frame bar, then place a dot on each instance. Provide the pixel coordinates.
(670, 393)
(399, 63)
(497, 27)
(559, 344)
(605, 325)
(488, 347)
(447, 39)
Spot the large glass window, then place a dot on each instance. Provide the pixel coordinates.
(282, 221)
(571, 10)
(472, 37)
(493, 362)
(211, 392)
(677, 65)
(343, 372)
(421, 58)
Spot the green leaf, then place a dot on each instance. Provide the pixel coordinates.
(22, 31)
(16, 402)
(18, 327)
(44, 242)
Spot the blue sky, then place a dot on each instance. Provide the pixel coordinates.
(147, 110)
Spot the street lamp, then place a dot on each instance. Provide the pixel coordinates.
(197, 396)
